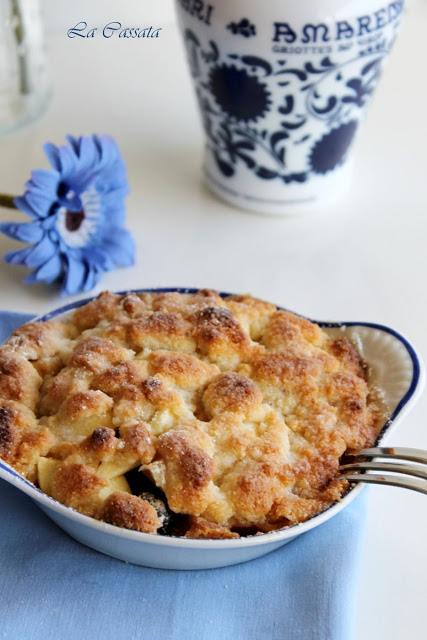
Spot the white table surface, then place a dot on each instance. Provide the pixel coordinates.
(363, 258)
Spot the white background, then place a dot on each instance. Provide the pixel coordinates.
(62, 15)
(363, 259)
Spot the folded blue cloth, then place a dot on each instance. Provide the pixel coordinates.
(53, 588)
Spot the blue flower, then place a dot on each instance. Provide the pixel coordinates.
(77, 208)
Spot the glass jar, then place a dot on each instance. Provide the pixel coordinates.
(24, 83)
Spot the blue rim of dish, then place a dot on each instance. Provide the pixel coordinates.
(416, 375)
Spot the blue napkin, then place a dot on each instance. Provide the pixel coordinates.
(53, 588)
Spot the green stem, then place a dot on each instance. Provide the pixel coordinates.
(6, 201)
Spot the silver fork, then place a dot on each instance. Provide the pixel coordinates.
(409, 476)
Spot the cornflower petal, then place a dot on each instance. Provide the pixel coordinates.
(41, 252)
(67, 159)
(90, 281)
(114, 216)
(32, 278)
(109, 151)
(25, 231)
(21, 203)
(38, 202)
(88, 155)
(75, 276)
(93, 276)
(52, 154)
(44, 179)
(74, 142)
(121, 247)
(17, 257)
(99, 258)
(48, 272)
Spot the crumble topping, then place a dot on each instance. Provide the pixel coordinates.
(185, 414)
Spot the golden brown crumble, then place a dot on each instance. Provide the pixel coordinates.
(231, 413)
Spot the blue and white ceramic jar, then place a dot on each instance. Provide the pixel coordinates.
(283, 86)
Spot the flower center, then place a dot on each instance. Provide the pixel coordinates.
(74, 219)
(79, 228)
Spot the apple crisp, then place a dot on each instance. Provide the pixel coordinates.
(185, 414)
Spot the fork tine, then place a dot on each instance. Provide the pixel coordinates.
(397, 481)
(373, 465)
(402, 453)
(367, 460)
